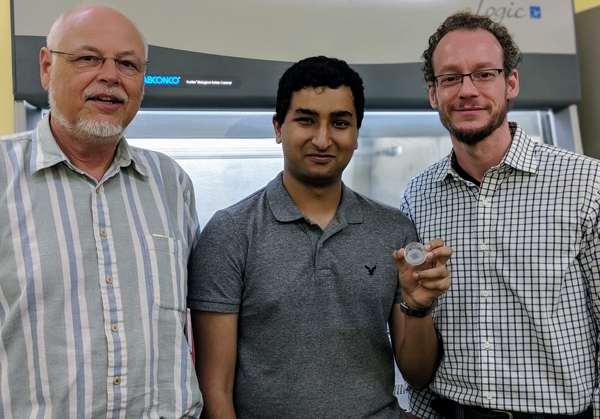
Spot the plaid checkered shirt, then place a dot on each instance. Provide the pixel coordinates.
(520, 322)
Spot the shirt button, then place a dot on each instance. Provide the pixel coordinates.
(103, 233)
(485, 202)
(483, 247)
(98, 189)
(485, 293)
(487, 345)
(117, 381)
(489, 396)
(115, 328)
(109, 280)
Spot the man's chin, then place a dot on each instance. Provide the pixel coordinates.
(98, 131)
(473, 133)
(318, 179)
(471, 136)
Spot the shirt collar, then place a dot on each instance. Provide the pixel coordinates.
(444, 168)
(520, 155)
(285, 210)
(46, 152)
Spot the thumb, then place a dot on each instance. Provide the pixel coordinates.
(399, 260)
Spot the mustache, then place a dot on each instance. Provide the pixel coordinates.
(108, 91)
(462, 104)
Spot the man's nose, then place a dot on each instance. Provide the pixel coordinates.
(108, 71)
(322, 139)
(467, 87)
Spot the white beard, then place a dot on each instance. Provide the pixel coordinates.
(93, 132)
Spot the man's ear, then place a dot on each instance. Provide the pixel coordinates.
(432, 99)
(45, 67)
(277, 129)
(512, 85)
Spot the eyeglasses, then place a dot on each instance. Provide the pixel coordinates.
(480, 78)
(125, 66)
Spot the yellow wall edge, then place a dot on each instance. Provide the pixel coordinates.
(583, 5)
(7, 123)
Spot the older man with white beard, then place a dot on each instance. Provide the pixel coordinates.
(95, 238)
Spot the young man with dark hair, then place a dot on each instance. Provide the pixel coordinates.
(293, 287)
(520, 324)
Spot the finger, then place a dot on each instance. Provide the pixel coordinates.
(398, 256)
(433, 273)
(441, 254)
(438, 286)
(434, 244)
(401, 264)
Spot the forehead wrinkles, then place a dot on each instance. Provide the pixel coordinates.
(91, 43)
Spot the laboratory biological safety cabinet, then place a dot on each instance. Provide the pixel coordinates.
(214, 67)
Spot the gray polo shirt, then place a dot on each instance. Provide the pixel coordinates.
(313, 304)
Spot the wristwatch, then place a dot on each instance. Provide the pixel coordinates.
(416, 312)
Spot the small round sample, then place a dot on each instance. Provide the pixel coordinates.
(415, 253)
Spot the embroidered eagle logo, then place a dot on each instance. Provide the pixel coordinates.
(371, 270)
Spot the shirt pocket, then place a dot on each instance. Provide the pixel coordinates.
(168, 272)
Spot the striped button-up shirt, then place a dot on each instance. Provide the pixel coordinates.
(93, 283)
(520, 322)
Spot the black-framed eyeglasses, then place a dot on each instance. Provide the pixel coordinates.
(480, 78)
(130, 66)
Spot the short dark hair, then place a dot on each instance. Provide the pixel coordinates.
(319, 72)
(468, 21)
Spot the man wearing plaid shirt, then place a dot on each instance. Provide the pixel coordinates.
(519, 325)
